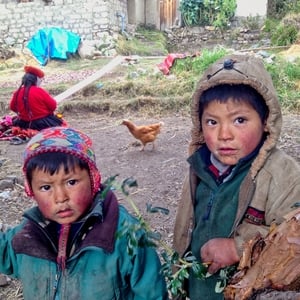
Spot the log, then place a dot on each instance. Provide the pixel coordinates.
(270, 263)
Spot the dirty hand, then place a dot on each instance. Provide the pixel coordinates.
(219, 253)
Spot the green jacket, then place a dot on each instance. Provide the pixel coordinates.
(272, 182)
(98, 267)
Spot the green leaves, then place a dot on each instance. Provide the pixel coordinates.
(191, 11)
(136, 237)
(174, 273)
(225, 275)
(207, 12)
(175, 269)
(129, 182)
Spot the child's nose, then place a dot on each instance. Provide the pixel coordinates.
(60, 195)
(225, 132)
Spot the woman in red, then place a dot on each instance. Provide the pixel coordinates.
(33, 105)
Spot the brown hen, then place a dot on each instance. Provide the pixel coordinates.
(145, 133)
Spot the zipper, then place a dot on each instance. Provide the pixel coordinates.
(208, 208)
(55, 285)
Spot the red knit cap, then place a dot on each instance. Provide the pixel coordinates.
(35, 71)
(64, 140)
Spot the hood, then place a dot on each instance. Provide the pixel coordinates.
(240, 69)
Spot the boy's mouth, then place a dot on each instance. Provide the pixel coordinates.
(65, 213)
(227, 151)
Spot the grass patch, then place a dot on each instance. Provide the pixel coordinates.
(197, 65)
(145, 42)
(150, 106)
(75, 63)
(142, 87)
(286, 77)
(153, 92)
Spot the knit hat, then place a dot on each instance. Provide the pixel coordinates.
(34, 70)
(64, 140)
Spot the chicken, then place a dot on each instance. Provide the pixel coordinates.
(145, 133)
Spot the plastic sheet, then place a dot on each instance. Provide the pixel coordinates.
(53, 42)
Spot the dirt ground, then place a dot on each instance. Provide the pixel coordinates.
(159, 173)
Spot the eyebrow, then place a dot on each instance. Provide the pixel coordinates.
(232, 113)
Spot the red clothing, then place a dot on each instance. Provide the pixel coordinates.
(41, 104)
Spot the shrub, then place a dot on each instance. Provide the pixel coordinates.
(284, 35)
(207, 12)
(277, 9)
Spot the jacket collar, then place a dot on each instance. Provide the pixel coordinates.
(97, 228)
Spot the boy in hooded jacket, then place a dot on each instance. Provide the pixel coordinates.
(66, 246)
(239, 182)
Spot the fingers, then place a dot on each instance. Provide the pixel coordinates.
(221, 252)
(214, 267)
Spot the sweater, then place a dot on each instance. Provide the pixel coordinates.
(40, 104)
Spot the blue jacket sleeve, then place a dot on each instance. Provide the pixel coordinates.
(8, 260)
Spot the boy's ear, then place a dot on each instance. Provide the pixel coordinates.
(28, 189)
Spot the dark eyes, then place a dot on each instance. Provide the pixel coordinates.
(45, 188)
(212, 122)
(72, 182)
(240, 120)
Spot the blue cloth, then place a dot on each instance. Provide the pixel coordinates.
(53, 42)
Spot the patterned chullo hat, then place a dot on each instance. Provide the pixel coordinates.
(64, 140)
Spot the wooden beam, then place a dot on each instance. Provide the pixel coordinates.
(80, 85)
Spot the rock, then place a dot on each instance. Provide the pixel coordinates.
(85, 50)
(4, 280)
(6, 184)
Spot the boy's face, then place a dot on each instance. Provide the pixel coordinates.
(62, 197)
(231, 130)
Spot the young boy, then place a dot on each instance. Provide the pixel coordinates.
(239, 182)
(66, 247)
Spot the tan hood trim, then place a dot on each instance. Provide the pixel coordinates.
(248, 70)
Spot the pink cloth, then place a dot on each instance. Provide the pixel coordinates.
(168, 62)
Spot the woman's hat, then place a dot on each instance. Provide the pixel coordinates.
(34, 70)
(64, 140)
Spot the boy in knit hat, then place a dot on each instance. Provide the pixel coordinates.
(239, 182)
(66, 247)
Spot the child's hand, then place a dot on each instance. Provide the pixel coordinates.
(219, 253)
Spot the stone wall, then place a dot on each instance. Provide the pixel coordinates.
(90, 19)
(196, 38)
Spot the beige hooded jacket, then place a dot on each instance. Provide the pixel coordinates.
(273, 182)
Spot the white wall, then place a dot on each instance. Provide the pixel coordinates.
(140, 11)
(152, 13)
(253, 7)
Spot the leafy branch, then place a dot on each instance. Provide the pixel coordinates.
(175, 268)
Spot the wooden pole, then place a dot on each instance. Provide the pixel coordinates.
(77, 87)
